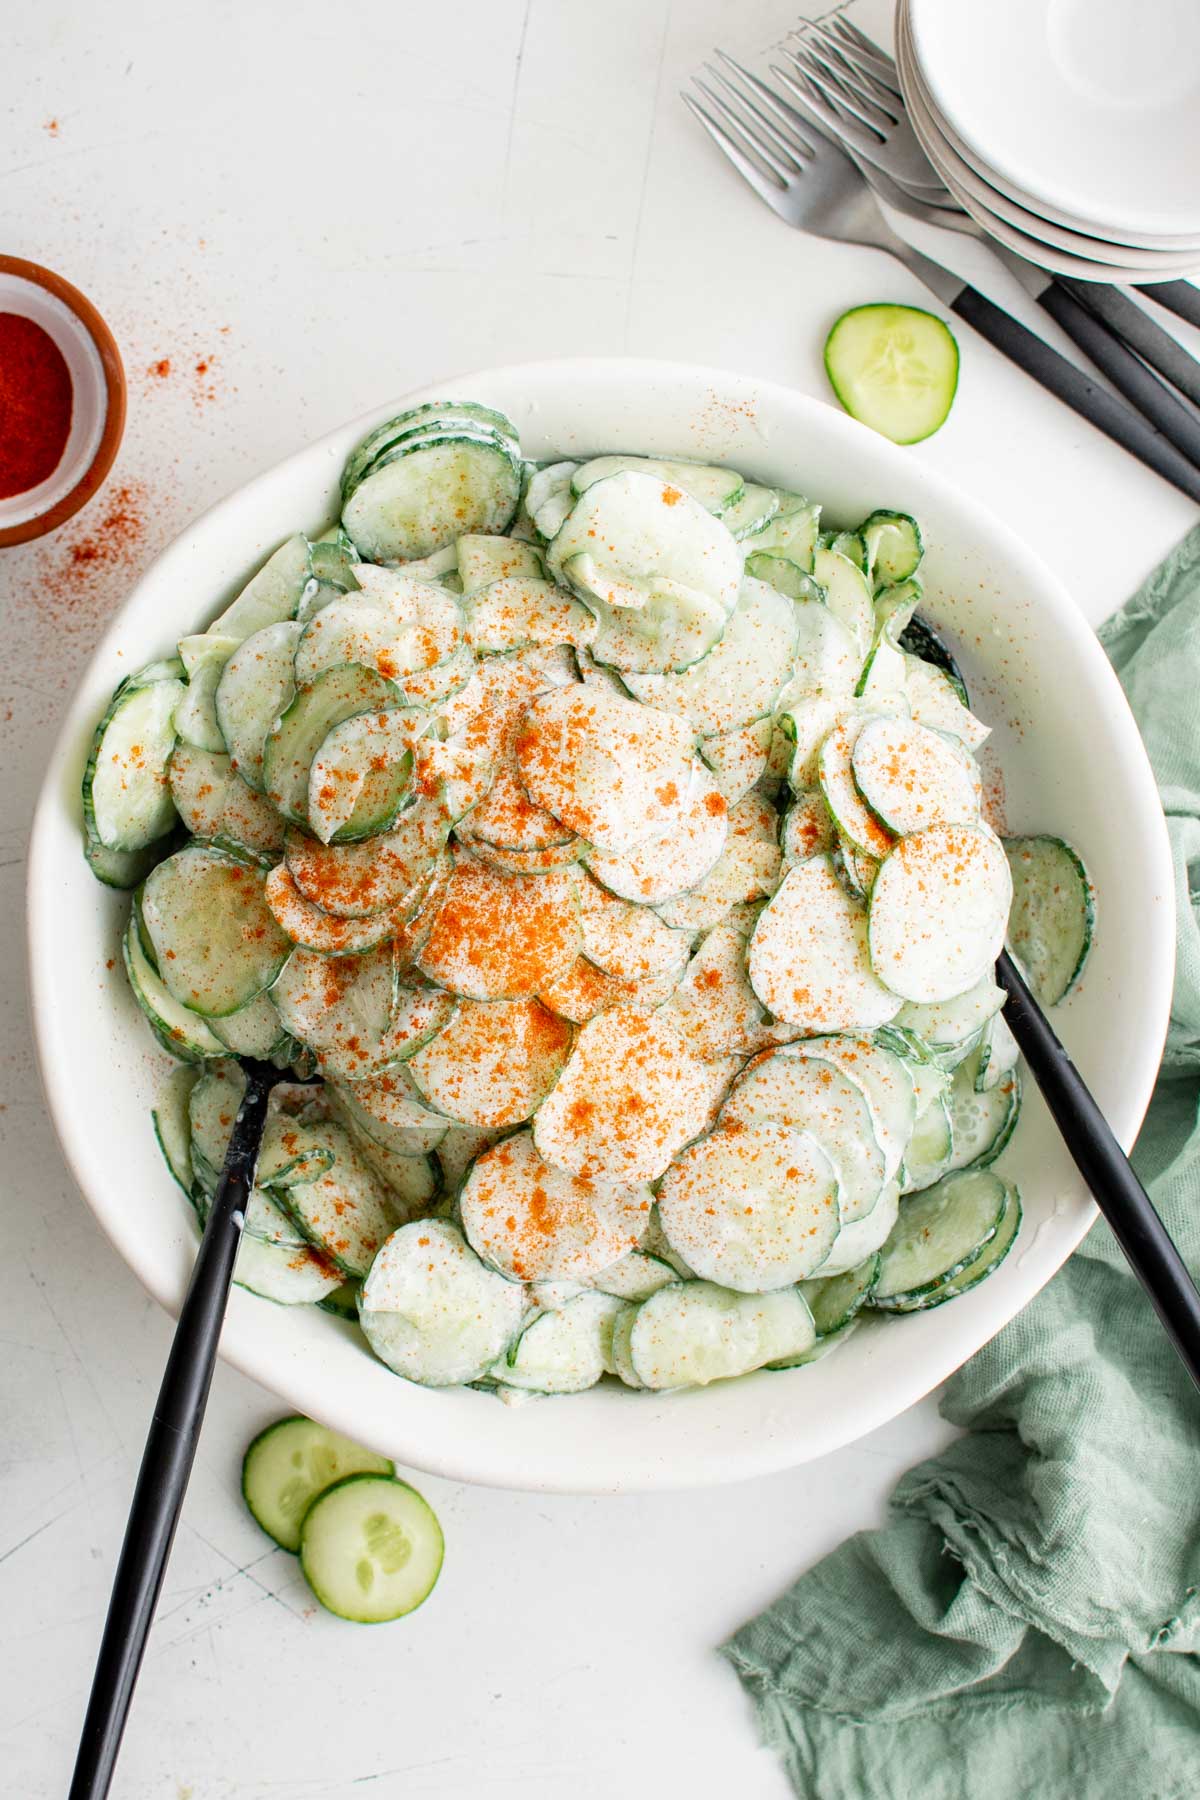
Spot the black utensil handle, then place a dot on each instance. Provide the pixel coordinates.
(167, 1459)
(1137, 329)
(1118, 1193)
(1180, 297)
(1127, 372)
(1076, 390)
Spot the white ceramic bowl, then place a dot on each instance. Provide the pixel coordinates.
(1072, 762)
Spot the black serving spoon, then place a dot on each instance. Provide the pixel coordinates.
(1148, 1247)
(171, 1446)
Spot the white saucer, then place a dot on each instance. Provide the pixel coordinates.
(1089, 109)
(1051, 247)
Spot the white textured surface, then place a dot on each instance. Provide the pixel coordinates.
(323, 218)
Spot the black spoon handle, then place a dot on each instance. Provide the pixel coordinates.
(1180, 297)
(1104, 1166)
(170, 1447)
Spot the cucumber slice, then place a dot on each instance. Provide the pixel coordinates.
(738, 759)
(343, 1302)
(564, 1351)
(214, 802)
(808, 957)
(636, 1277)
(270, 596)
(997, 1054)
(887, 1084)
(362, 774)
(254, 1030)
(613, 771)
(257, 686)
(927, 1157)
(911, 777)
(313, 929)
(981, 1121)
(288, 1274)
(752, 1206)
(297, 735)
(836, 1299)
(806, 828)
(848, 544)
(947, 1024)
(345, 1212)
(938, 911)
(586, 990)
(535, 1222)
(835, 775)
(516, 612)
(808, 1094)
(747, 869)
(204, 657)
(742, 676)
(428, 495)
(715, 489)
(550, 497)
(292, 1462)
(793, 531)
(894, 547)
(215, 940)
(127, 802)
(481, 561)
(388, 1109)
(352, 1012)
(121, 869)
(633, 540)
(696, 1332)
(436, 417)
(863, 1237)
(371, 1549)
(387, 873)
(625, 940)
(173, 1126)
(895, 368)
(846, 595)
(630, 1097)
(752, 513)
(432, 1311)
(980, 1267)
(1053, 915)
(936, 700)
(492, 1063)
(784, 575)
(938, 1233)
(714, 1005)
(664, 867)
(498, 937)
(180, 1031)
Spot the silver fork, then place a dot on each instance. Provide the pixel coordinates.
(882, 142)
(853, 87)
(814, 186)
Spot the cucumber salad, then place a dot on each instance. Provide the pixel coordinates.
(601, 848)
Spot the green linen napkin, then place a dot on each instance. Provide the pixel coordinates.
(1027, 1622)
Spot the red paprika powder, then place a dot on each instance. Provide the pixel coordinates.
(36, 403)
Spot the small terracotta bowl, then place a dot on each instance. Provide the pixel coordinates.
(98, 418)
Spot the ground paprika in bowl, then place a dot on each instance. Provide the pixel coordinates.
(62, 400)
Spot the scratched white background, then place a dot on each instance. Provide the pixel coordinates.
(323, 206)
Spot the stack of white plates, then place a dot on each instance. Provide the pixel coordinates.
(1070, 129)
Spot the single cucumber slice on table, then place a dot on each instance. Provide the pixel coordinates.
(289, 1464)
(371, 1548)
(895, 368)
